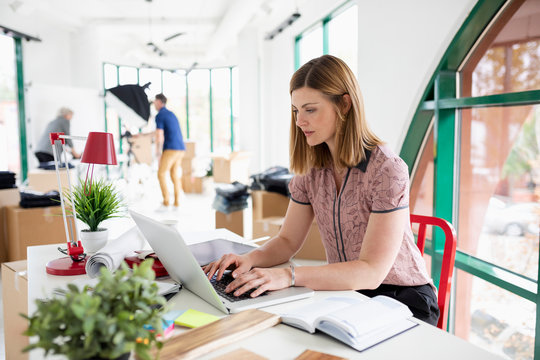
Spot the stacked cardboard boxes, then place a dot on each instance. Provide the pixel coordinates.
(232, 167)
(141, 147)
(191, 183)
(8, 197)
(15, 299)
(269, 211)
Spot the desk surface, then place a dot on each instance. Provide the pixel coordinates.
(282, 341)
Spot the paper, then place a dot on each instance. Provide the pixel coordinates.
(164, 287)
(193, 318)
(112, 255)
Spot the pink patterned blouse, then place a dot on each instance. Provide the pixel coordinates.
(379, 184)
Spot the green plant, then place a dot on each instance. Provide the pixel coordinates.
(95, 203)
(106, 321)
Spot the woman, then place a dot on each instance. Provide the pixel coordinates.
(358, 191)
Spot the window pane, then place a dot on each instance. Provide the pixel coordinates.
(343, 37)
(499, 208)
(221, 110)
(110, 76)
(199, 108)
(311, 45)
(9, 119)
(493, 318)
(174, 88)
(508, 61)
(236, 108)
(421, 194)
(128, 75)
(152, 76)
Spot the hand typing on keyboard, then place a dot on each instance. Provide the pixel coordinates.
(246, 279)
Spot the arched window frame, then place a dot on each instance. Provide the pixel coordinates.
(440, 107)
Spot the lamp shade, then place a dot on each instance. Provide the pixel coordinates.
(99, 149)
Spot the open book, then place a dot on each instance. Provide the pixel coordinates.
(359, 323)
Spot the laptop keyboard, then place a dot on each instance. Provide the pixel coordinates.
(220, 286)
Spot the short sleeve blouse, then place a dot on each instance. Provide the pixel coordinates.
(379, 184)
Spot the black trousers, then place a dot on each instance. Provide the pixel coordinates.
(420, 299)
(44, 157)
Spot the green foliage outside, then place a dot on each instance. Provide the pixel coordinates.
(95, 203)
(106, 322)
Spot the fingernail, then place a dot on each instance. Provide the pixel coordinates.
(234, 275)
(236, 293)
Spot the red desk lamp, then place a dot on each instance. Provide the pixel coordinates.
(99, 149)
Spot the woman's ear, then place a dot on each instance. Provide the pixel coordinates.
(346, 104)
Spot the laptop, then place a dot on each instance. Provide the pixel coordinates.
(183, 268)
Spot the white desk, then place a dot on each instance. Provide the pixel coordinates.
(282, 341)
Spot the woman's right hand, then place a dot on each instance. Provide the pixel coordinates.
(238, 263)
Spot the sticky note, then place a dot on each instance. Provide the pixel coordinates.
(193, 318)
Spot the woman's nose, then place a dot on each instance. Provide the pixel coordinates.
(300, 120)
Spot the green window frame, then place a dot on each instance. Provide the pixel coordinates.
(187, 132)
(324, 24)
(440, 103)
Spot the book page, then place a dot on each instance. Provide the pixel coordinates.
(305, 317)
(368, 316)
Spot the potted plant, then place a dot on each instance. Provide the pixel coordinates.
(106, 322)
(95, 203)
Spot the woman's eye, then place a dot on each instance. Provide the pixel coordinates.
(309, 111)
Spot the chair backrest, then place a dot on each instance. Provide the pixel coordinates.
(449, 256)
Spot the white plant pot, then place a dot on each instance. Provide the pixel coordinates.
(92, 241)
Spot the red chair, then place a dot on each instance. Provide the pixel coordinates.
(449, 256)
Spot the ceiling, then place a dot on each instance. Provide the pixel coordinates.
(182, 31)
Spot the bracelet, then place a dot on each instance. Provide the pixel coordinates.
(292, 275)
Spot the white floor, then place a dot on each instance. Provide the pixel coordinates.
(142, 194)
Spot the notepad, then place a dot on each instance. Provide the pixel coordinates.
(193, 318)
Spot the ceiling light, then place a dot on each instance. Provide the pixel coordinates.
(286, 23)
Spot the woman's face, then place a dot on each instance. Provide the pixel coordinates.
(315, 116)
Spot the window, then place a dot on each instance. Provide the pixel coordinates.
(9, 121)
(127, 75)
(199, 108)
(343, 37)
(336, 34)
(487, 182)
(221, 109)
(152, 76)
(174, 87)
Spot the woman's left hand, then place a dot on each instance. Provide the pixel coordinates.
(261, 280)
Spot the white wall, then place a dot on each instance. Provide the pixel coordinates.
(400, 44)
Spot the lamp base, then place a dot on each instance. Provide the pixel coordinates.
(66, 266)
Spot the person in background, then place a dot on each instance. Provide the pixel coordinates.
(356, 188)
(170, 145)
(62, 122)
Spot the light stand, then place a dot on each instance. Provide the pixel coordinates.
(99, 149)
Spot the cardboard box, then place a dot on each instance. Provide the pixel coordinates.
(8, 197)
(267, 204)
(192, 184)
(45, 180)
(233, 221)
(187, 166)
(267, 227)
(141, 146)
(190, 149)
(233, 167)
(312, 249)
(15, 300)
(33, 226)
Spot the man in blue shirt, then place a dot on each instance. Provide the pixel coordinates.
(169, 138)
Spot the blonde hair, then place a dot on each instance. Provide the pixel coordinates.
(333, 78)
